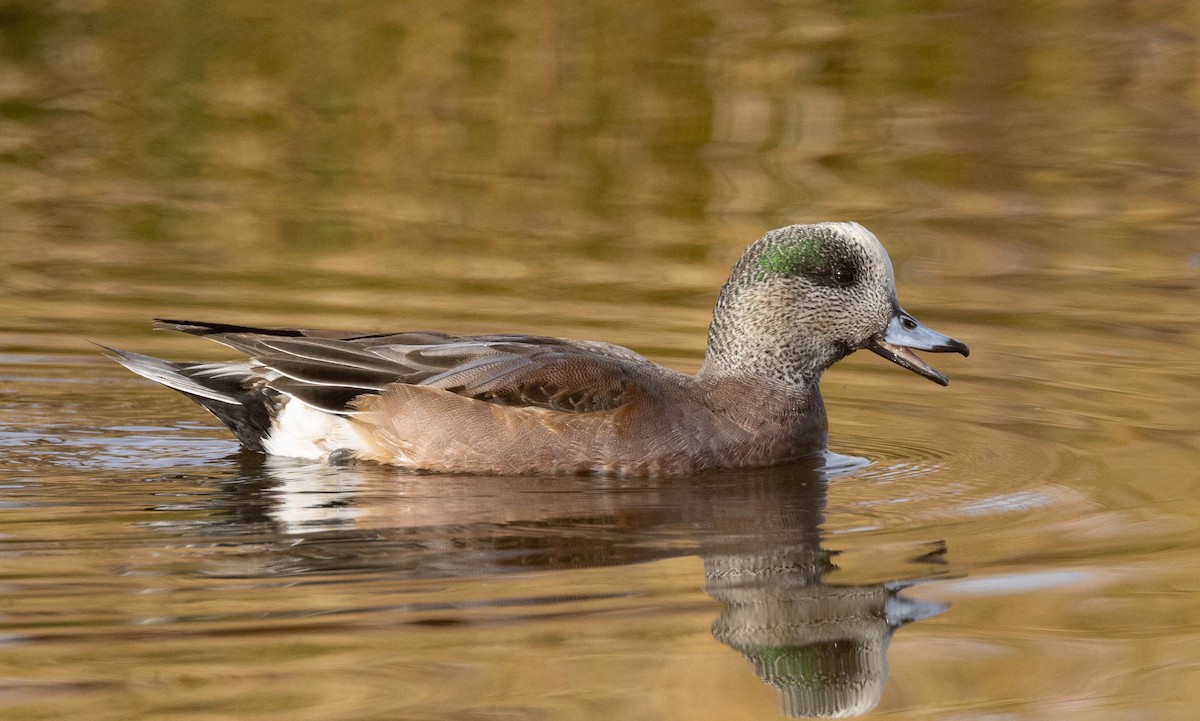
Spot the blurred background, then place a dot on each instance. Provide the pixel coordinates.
(372, 162)
(592, 170)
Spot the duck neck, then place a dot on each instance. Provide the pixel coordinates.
(776, 421)
(745, 342)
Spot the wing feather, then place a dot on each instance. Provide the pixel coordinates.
(330, 369)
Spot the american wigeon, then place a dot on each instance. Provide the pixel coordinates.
(799, 299)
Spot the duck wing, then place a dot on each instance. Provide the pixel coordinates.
(331, 369)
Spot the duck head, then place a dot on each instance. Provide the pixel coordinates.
(803, 297)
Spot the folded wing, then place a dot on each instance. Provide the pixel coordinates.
(330, 369)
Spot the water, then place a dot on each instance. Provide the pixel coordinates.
(1020, 545)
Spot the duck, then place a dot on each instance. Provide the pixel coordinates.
(798, 300)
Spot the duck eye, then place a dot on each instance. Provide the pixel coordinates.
(843, 276)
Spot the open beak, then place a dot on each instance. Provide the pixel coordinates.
(903, 335)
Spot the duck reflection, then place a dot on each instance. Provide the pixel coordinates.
(824, 646)
(822, 643)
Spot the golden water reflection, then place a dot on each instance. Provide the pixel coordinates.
(823, 646)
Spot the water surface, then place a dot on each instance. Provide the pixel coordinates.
(1020, 545)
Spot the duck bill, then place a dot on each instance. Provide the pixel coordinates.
(904, 335)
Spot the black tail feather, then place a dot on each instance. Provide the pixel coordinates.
(250, 421)
(203, 329)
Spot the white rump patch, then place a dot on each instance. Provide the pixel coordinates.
(301, 431)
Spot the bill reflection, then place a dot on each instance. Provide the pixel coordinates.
(823, 646)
